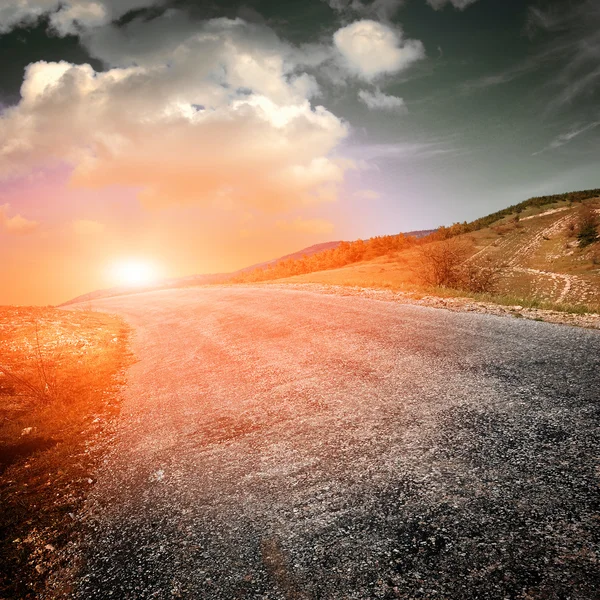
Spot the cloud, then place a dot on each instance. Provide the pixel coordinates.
(86, 228)
(460, 4)
(399, 151)
(367, 195)
(16, 224)
(377, 100)
(370, 49)
(222, 113)
(310, 226)
(506, 76)
(574, 47)
(569, 51)
(81, 15)
(565, 138)
(67, 16)
(384, 10)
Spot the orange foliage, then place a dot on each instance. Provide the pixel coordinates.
(344, 254)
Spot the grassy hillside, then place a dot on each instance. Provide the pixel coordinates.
(532, 251)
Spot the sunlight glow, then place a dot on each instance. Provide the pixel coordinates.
(133, 272)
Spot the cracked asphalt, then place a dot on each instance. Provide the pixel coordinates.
(281, 444)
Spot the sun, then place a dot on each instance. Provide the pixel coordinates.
(134, 272)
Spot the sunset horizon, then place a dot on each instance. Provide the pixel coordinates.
(299, 300)
(240, 134)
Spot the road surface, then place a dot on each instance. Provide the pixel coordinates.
(285, 444)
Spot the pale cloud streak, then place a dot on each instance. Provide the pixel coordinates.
(16, 224)
(399, 151)
(567, 137)
(571, 48)
(377, 100)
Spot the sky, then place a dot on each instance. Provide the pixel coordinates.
(202, 137)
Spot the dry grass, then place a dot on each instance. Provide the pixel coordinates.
(59, 374)
(535, 261)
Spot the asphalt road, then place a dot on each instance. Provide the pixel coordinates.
(283, 444)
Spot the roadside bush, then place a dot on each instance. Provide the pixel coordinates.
(440, 263)
(587, 226)
(503, 229)
(481, 277)
(444, 264)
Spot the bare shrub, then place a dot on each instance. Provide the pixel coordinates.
(445, 264)
(481, 277)
(502, 229)
(587, 225)
(36, 377)
(440, 263)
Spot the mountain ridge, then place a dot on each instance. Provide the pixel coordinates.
(213, 278)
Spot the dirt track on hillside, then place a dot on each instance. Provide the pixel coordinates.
(277, 443)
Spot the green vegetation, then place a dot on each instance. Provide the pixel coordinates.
(588, 226)
(360, 250)
(552, 259)
(516, 209)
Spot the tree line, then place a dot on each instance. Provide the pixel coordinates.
(344, 254)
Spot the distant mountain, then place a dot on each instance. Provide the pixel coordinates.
(211, 278)
(419, 233)
(295, 255)
(192, 280)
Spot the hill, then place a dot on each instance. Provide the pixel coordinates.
(530, 253)
(214, 278)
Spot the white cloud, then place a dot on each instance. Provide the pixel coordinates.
(370, 49)
(16, 224)
(225, 115)
(460, 4)
(67, 16)
(377, 100)
(84, 15)
(23, 12)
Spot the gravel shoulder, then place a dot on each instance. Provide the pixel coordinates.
(589, 320)
(278, 443)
